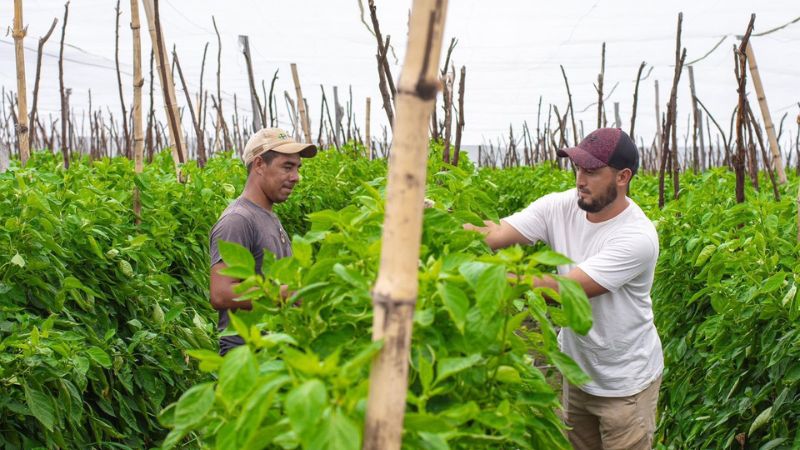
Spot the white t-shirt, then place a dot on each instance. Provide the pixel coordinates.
(622, 351)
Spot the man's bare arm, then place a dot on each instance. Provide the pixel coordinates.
(498, 235)
(221, 290)
(591, 287)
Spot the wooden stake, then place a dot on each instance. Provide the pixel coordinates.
(447, 99)
(599, 87)
(64, 108)
(258, 119)
(367, 136)
(741, 78)
(777, 160)
(669, 132)
(138, 83)
(697, 123)
(301, 105)
(570, 107)
(167, 85)
(42, 40)
(124, 117)
(23, 135)
(460, 120)
(395, 292)
(201, 146)
(636, 101)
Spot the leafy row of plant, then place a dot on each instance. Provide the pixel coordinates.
(302, 378)
(96, 312)
(726, 308)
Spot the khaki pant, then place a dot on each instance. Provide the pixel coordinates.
(611, 423)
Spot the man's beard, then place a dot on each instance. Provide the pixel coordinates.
(597, 204)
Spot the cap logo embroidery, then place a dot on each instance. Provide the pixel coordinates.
(283, 136)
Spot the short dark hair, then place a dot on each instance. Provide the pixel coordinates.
(267, 157)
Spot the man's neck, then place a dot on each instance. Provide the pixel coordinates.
(610, 211)
(256, 196)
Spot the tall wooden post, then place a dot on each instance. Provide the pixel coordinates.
(258, 119)
(301, 105)
(138, 83)
(167, 85)
(367, 137)
(777, 160)
(395, 292)
(22, 129)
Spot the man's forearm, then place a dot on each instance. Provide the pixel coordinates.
(228, 299)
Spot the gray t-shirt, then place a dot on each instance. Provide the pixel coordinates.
(257, 230)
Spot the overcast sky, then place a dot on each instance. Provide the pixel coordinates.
(511, 49)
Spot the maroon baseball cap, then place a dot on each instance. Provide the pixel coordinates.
(604, 147)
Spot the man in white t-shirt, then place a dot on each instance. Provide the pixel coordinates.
(614, 247)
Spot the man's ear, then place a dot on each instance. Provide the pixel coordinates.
(624, 176)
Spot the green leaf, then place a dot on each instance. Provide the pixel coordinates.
(425, 373)
(40, 406)
(455, 302)
(307, 363)
(239, 325)
(435, 441)
(305, 405)
(448, 367)
(569, 368)
(194, 404)
(704, 254)
(99, 356)
(576, 305)
(240, 273)
(302, 251)
(237, 375)
(789, 295)
(361, 359)
(338, 432)
(235, 255)
(772, 283)
(508, 374)
(18, 260)
(489, 283)
(760, 421)
(550, 258)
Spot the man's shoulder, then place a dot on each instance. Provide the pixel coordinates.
(236, 215)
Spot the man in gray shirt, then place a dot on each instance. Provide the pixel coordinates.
(273, 160)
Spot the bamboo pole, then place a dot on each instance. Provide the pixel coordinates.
(395, 292)
(777, 160)
(697, 123)
(741, 78)
(666, 151)
(636, 100)
(42, 41)
(220, 116)
(258, 120)
(367, 137)
(305, 125)
(460, 120)
(124, 117)
(18, 34)
(63, 95)
(167, 84)
(760, 140)
(569, 106)
(447, 99)
(201, 147)
(599, 87)
(660, 141)
(138, 83)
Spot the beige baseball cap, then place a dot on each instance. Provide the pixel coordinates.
(278, 140)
